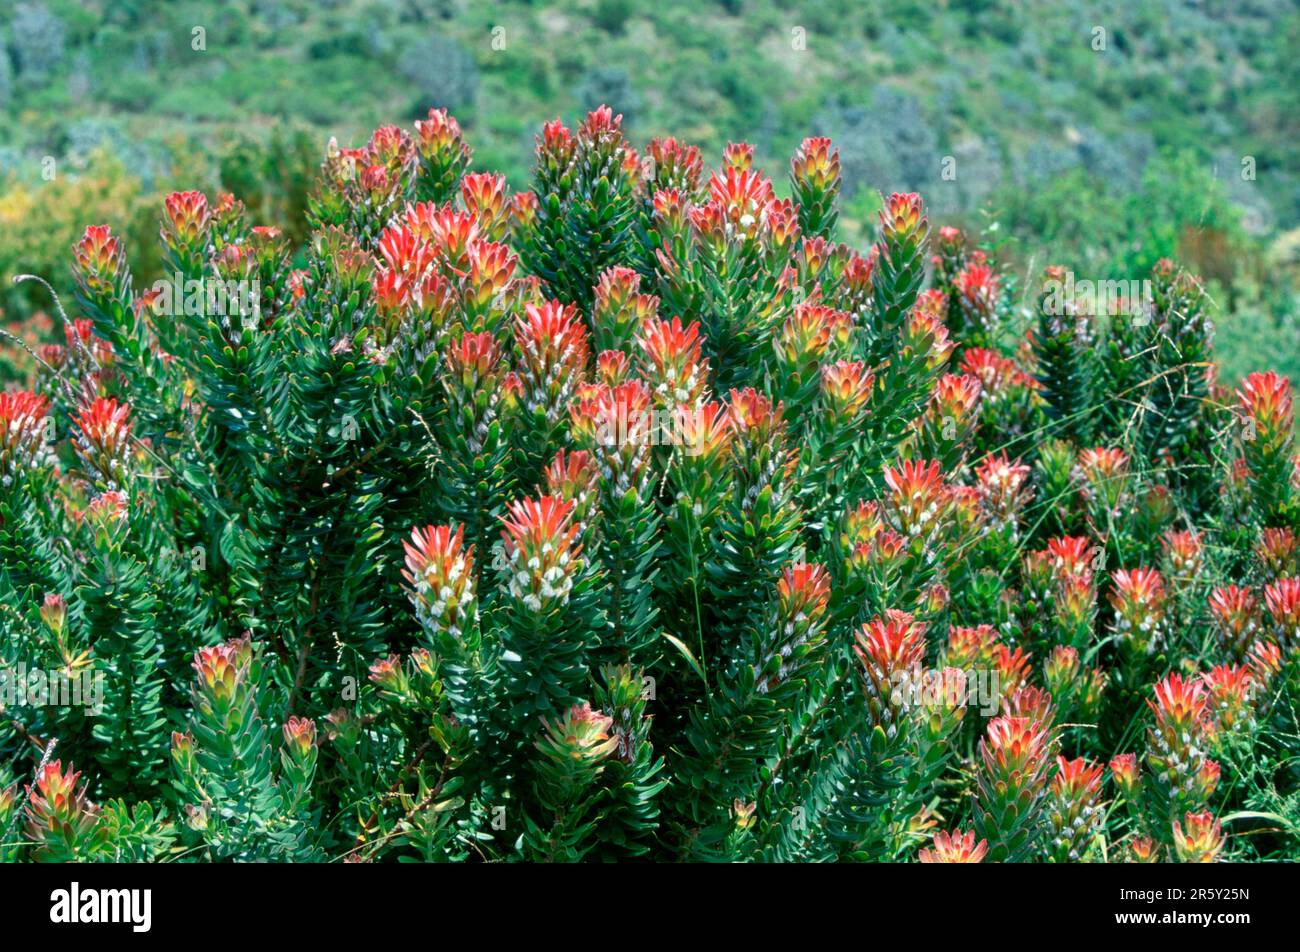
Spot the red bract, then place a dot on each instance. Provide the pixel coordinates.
(955, 847)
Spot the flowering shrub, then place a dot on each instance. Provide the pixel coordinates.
(634, 516)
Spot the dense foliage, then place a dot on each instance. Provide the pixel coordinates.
(637, 517)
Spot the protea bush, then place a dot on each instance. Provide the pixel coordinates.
(634, 516)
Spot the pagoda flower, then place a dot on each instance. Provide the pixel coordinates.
(106, 518)
(1062, 672)
(583, 736)
(967, 515)
(450, 233)
(953, 411)
(1178, 740)
(1140, 602)
(1074, 608)
(442, 151)
(1232, 694)
(1278, 552)
(1002, 488)
(924, 334)
(815, 254)
(978, 290)
(812, 333)
(1268, 422)
(1011, 776)
(742, 196)
(1126, 773)
(617, 425)
(297, 759)
(1199, 838)
(1235, 612)
(406, 252)
(1282, 600)
(971, 647)
(440, 573)
(949, 256)
(1031, 702)
(393, 149)
(185, 224)
(612, 369)
(815, 182)
(955, 847)
(491, 270)
(674, 164)
(1141, 849)
(1012, 667)
(472, 375)
(388, 675)
(484, 196)
(702, 437)
(855, 284)
(1073, 811)
(523, 213)
(24, 427)
(890, 650)
(99, 267)
(671, 360)
(1104, 474)
(942, 697)
(619, 310)
(1091, 694)
(902, 218)
(845, 390)
(1265, 663)
(919, 501)
(802, 596)
(540, 555)
(998, 375)
(1071, 556)
(738, 156)
(574, 477)
(552, 342)
(1183, 555)
(61, 822)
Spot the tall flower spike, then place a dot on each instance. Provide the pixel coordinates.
(440, 571)
(484, 195)
(672, 362)
(1235, 612)
(23, 429)
(1176, 744)
(890, 650)
(1282, 599)
(61, 821)
(541, 556)
(1073, 811)
(1140, 603)
(103, 438)
(815, 182)
(620, 311)
(1011, 781)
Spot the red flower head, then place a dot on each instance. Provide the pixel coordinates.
(977, 291)
(22, 432)
(1199, 838)
(919, 496)
(100, 263)
(846, 388)
(1282, 599)
(484, 195)
(676, 165)
(440, 571)
(810, 332)
(1012, 668)
(816, 165)
(738, 156)
(552, 341)
(541, 555)
(1061, 670)
(58, 813)
(185, 221)
(1266, 400)
(574, 477)
(903, 217)
(672, 362)
(955, 847)
(1277, 550)
(955, 398)
(1001, 484)
(1183, 554)
(1232, 690)
(1127, 774)
(617, 425)
(1235, 611)
(1140, 602)
(925, 332)
(891, 650)
(299, 736)
(1176, 743)
(1073, 810)
(103, 439)
(744, 196)
(582, 738)
(971, 647)
(440, 143)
